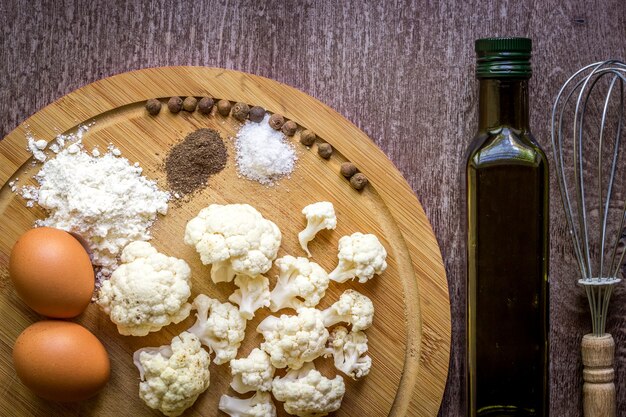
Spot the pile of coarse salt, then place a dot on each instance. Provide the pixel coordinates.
(103, 198)
(263, 154)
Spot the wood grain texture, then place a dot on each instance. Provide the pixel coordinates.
(402, 71)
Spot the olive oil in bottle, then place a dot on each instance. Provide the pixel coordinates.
(507, 242)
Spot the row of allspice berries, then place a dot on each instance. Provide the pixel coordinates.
(241, 111)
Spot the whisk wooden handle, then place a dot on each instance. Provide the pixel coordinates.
(598, 374)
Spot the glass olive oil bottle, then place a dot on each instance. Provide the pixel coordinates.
(507, 242)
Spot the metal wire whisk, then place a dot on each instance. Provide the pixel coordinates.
(589, 188)
(598, 277)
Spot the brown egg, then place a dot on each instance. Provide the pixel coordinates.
(52, 273)
(61, 361)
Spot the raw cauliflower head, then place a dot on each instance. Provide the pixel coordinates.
(147, 291)
(219, 326)
(300, 283)
(252, 293)
(259, 405)
(360, 256)
(307, 393)
(173, 376)
(349, 352)
(253, 373)
(319, 216)
(234, 239)
(352, 307)
(293, 340)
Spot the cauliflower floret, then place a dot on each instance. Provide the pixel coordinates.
(253, 373)
(259, 405)
(307, 393)
(173, 376)
(147, 291)
(360, 256)
(348, 351)
(219, 326)
(293, 340)
(234, 239)
(253, 293)
(352, 307)
(300, 284)
(318, 216)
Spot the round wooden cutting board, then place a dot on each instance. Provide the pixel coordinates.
(410, 338)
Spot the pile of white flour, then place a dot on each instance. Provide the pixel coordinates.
(104, 199)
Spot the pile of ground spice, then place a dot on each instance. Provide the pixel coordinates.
(189, 164)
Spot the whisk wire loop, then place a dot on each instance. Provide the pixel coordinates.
(605, 213)
(594, 276)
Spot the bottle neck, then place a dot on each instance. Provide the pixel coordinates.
(503, 102)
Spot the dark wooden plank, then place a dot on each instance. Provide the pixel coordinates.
(401, 70)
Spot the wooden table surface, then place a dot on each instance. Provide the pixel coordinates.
(402, 71)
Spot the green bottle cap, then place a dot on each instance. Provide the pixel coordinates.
(503, 58)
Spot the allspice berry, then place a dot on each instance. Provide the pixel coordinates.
(324, 150)
(205, 105)
(190, 103)
(223, 107)
(307, 138)
(358, 181)
(289, 128)
(240, 111)
(153, 106)
(257, 113)
(277, 121)
(347, 169)
(175, 104)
